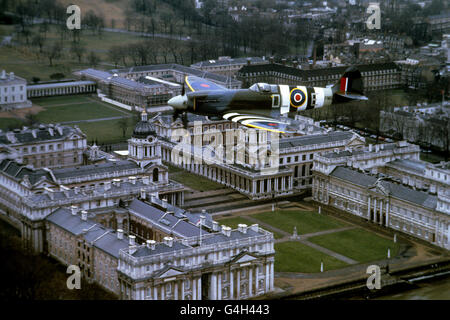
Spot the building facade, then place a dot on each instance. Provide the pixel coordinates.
(13, 92)
(48, 146)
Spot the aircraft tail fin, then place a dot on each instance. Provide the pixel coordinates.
(349, 87)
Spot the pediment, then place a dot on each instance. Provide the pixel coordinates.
(171, 272)
(244, 257)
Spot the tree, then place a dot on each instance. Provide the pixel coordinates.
(123, 125)
(53, 52)
(78, 50)
(93, 59)
(38, 40)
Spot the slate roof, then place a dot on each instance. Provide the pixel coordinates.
(315, 139)
(395, 190)
(304, 74)
(188, 70)
(225, 62)
(414, 165)
(59, 85)
(18, 171)
(42, 134)
(165, 221)
(159, 248)
(86, 170)
(103, 238)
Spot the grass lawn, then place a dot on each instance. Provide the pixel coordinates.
(76, 111)
(60, 100)
(105, 132)
(195, 182)
(7, 123)
(234, 221)
(296, 257)
(306, 222)
(358, 244)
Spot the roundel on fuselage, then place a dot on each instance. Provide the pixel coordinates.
(298, 97)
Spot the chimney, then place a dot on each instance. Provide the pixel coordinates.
(132, 240)
(107, 186)
(143, 194)
(3, 74)
(226, 231)
(168, 241)
(33, 133)
(215, 226)
(171, 213)
(164, 203)
(151, 244)
(116, 182)
(132, 180)
(84, 215)
(74, 210)
(255, 227)
(76, 190)
(377, 148)
(11, 76)
(242, 228)
(119, 234)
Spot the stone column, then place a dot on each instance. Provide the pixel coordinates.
(194, 289)
(368, 208)
(219, 286)
(163, 297)
(381, 212)
(182, 290)
(213, 288)
(238, 284)
(250, 280)
(271, 276)
(374, 210)
(448, 236)
(267, 277)
(387, 213)
(199, 286)
(175, 291)
(256, 279)
(232, 282)
(155, 292)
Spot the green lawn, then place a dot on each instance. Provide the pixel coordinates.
(9, 123)
(234, 221)
(296, 257)
(108, 131)
(306, 222)
(60, 100)
(358, 244)
(195, 182)
(76, 111)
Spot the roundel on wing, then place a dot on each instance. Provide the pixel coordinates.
(298, 97)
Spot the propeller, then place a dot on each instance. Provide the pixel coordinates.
(177, 112)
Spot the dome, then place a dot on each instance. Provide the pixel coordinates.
(143, 128)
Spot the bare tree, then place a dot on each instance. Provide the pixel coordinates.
(53, 52)
(78, 50)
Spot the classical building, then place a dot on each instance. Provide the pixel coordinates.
(161, 252)
(13, 92)
(388, 185)
(226, 65)
(47, 146)
(293, 174)
(376, 76)
(61, 88)
(29, 194)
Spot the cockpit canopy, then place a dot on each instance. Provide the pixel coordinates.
(264, 88)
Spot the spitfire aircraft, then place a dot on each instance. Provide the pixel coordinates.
(263, 105)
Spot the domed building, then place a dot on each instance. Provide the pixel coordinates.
(145, 149)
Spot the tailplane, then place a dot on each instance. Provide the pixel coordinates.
(349, 87)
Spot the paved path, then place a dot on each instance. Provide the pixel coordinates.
(96, 120)
(303, 240)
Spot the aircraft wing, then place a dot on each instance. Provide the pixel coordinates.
(261, 123)
(200, 84)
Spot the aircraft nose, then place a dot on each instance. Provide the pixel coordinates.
(178, 102)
